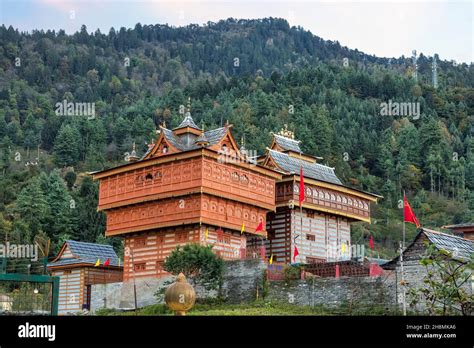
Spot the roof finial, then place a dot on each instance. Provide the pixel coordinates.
(133, 155)
(189, 106)
(285, 132)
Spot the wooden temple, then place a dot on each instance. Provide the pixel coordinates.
(319, 231)
(196, 186)
(80, 265)
(191, 186)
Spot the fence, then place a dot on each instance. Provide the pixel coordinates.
(339, 269)
(24, 293)
(254, 252)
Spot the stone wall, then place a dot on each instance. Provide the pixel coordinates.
(363, 291)
(414, 274)
(105, 296)
(242, 280)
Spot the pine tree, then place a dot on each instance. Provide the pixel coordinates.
(67, 146)
(60, 205)
(32, 206)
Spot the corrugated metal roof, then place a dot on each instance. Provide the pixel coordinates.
(287, 143)
(460, 248)
(310, 170)
(88, 253)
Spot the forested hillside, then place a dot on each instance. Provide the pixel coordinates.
(258, 75)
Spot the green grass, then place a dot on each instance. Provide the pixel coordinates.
(258, 308)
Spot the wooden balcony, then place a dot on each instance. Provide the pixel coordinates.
(324, 199)
(195, 175)
(191, 209)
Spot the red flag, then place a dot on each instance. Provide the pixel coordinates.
(296, 253)
(371, 242)
(301, 186)
(107, 262)
(408, 214)
(259, 227)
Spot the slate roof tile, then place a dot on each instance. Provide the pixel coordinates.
(84, 252)
(287, 143)
(460, 248)
(314, 171)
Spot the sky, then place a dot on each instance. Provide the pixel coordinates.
(383, 28)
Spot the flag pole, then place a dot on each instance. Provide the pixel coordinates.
(402, 247)
(404, 197)
(301, 202)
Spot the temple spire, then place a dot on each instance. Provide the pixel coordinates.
(202, 139)
(188, 119)
(188, 111)
(133, 155)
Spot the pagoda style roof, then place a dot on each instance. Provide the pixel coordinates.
(213, 137)
(80, 253)
(316, 171)
(287, 144)
(188, 122)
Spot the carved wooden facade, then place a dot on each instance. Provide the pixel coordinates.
(320, 230)
(186, 185)
(182, 187)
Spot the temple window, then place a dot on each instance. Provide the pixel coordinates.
(139, 242)
(139, 266)
(165, 149)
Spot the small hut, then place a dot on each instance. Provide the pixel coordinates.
(79, 265)
(461, 250)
